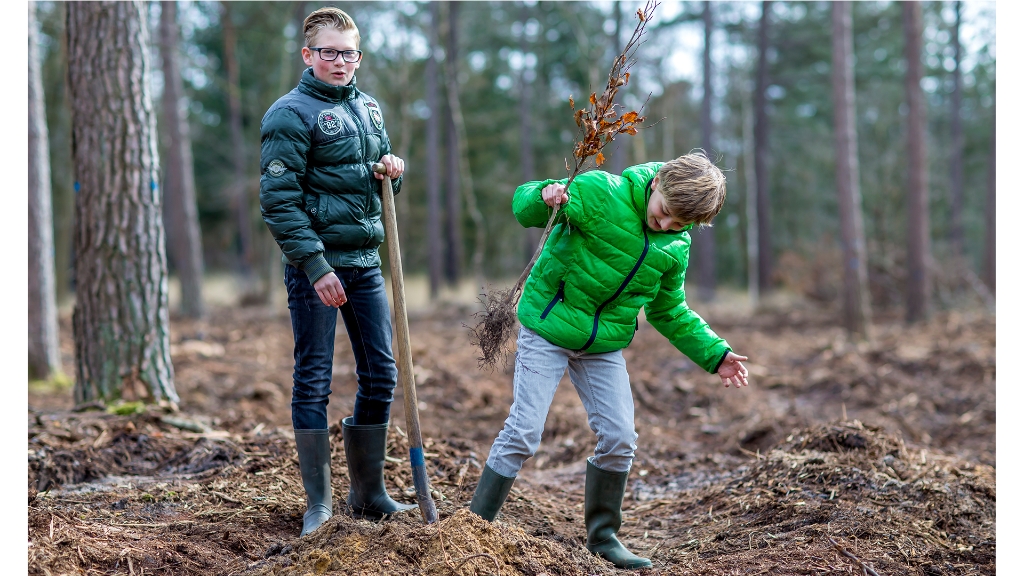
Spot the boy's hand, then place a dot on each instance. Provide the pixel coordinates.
(732, 371)
(330, 290)
(554, 194)
(394, 165)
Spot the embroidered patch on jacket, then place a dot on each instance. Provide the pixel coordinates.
(375, 115)
(329, 122)
(276, 168)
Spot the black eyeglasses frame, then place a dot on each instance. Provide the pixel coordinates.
(359, 54)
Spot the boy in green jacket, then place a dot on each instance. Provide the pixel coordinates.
(620, 243)
(322, 203)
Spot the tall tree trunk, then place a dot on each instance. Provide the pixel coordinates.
(531, 236)
(454, 255)
(856, 307)
(619, 149)
(121, 329)
(43, 343)
(239, 194)
(704, 237)
(765, 256)
(433, 172)
(990, 212)
(180, 213)
(919, 243)
(956, 155)
(750, 177)
(460, 140)
(918, 240)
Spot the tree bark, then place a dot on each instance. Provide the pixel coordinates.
(433, 171)
(856, 307)
(765, 257)
(918, 240)
(239, 194)
(750, 202)
(704, 237)
(956, 156)
(43, 342)
(460, 140)
(531, 236)
(121, 328)
(990, 212)
(180, 213)
(453, 230)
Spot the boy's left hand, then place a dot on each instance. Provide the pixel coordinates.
(394, 165)
(732, 371)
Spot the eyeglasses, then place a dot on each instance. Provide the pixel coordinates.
(330, 54)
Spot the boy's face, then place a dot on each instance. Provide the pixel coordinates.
(337, 72)
(658, 218)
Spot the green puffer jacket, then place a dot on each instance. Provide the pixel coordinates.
(318, 194)
(602, 263)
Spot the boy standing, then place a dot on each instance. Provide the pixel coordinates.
(322, 203)
(621, 243)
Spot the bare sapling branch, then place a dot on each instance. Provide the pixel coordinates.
(597, 125)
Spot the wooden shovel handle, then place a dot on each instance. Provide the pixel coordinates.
(404, 356)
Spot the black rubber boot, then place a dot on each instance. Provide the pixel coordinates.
(602, 514)
(490, 494)
(314, 448)
(364, 450)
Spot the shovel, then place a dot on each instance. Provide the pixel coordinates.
(404, 360)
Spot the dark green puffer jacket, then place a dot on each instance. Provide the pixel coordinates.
(602, 263)
(318, 194)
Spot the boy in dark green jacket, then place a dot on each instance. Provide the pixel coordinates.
(322, 203)
(621, 243)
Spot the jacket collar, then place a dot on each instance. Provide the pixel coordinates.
(323, 91)
(640, 178)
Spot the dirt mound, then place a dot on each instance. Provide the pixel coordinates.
(461, 543)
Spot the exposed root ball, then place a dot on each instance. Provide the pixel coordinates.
(493, 334)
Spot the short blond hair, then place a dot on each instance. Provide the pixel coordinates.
(327, 17)
(693, 187)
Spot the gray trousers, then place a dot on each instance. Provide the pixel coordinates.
(602, 383)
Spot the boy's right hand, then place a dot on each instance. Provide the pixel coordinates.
(554, 194)
(330, 290)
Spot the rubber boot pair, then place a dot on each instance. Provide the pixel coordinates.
(602, 510)
(364, 451)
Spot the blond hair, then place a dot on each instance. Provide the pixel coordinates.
(693, 187)
(327, 17)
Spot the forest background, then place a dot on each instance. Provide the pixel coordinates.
(475, 99)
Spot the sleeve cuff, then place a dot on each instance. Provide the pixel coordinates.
(316, 267)
(722, 359)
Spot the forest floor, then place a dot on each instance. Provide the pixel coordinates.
(839, 458)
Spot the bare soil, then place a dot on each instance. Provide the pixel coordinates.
(840, 458)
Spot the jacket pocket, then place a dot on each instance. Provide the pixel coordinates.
(559, 297)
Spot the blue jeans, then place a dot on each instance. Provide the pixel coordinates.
(368, 322)
(602, 383)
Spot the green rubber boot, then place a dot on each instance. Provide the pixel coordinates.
(602, 514)
(490, 494)
(364, 450)
(314, 448)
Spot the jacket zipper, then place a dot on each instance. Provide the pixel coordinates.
(559, 297)
(632, 273)
(368, 176)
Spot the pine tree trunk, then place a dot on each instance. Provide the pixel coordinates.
(704, 237)
(122, 346)
(239, 196)
(453, 230)
(531, 236)
(180, 212)
(956, 155)
(43, 343)
(765, 258)
(856, 310)
(918, 240)
(990, 212)
(433, 171)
